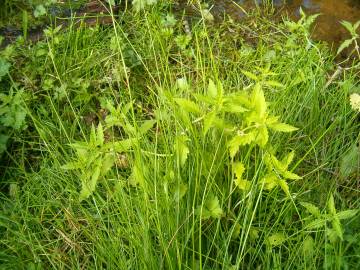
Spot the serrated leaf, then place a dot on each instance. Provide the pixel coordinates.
(262, 136)
(233, 108)
(316, 224)
(337, 227)
(288, 159)
(331, 205)
(146, 126)
(274, 84)
(108, 162)
(123, 145)
(269, 181)
(346, 214)
(238, 169)
(284, 186)
(282, 127)
(312, 209)
(258, 101)
(100, 135)
(344, 45)
(188, 105)
(291, 176)
(205, 99)
(89, 187)
(239, 140)
(209, 121)
(250, 75)
(212, 89)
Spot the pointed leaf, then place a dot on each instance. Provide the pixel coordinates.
(277, 239)
(291, 176)
(284, 186)
(188, 105)
(312, 209)
(146, 126)
(344, 45)
(282, 127)
(250, 75)
(316, 224)
(347, 214)
(209, 121)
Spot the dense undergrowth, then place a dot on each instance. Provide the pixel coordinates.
(147, 145)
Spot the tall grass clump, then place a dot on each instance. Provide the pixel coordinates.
(150, 145)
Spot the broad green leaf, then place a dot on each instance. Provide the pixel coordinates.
(348, 26)
(282, 127)
(344, 45)
(239, 140)
(4, 67)
(350, 161)
(39, 11)
(308, 246)
(181, 149)
(316, 224)
(137, 177)
(211, 209)
(262, 136)
(212, 89)
(312, 209)
(284, 186)
(238, 169)
(258, 101)
(122, 146)
(180, 192)
(89, 187)
(188, 105)
(146, 126)
(346, 214)
(205, 99)
(233, 108)
(288, 159)
(277, 239)
(270, 181)
(209, 121)
(108, 162)
(242, 184)
(332, 235)
(182, 84)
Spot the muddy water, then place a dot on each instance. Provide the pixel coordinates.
(327, 26)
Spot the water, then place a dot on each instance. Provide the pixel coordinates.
(327, 26)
